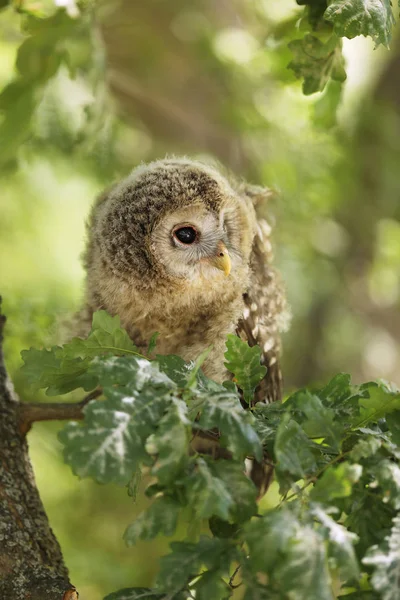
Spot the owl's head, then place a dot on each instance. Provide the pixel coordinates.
(173, 218)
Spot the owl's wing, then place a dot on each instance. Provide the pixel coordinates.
(263, 313)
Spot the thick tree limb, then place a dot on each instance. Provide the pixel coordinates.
(31, 563)
(52, 411)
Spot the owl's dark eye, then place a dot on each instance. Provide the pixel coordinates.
(186, 235)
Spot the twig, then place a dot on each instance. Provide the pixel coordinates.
(29, 412)
(232, 578)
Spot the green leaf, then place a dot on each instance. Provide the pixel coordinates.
(48, 369)
(18, 103)
(130, 371)
(320, 420)
(109, 445)
(292, 555)
(326, 107)
(303, 573)
(244, 362)
(376, 401)
(170, 443)
(315, 10)
(393, 422)
(316, 62)
(187, 559)
(106, 336)
(175, 367)
(336, 482)
(152, 343)
(224, 411)
(134, 484)
(135, 594)
(222, 529)
(362, 17)
(367, 516)
(211, 586)
(63, 369)
(207, 494)
(257, 591)
(221, 489)
(195, 369)
(38, 59)
(267, 420)
(387, 477)
(385, 560)
(269, 538)
(341, 545)
(293, 451)
(338, 390)
(160, 518)
(367, 446)
(241, 489)
(340, 395)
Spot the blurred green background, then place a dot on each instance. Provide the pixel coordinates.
(210, 80)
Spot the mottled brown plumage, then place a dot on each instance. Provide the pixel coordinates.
(139, 269)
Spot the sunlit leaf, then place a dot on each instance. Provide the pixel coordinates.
(341, 545)
(362, 17)
(316, 62)
(291, 554)
(109, 445)
(336, 482)
(65, 368)
(269, 537)
(365, 447)
(106, 336)
(48, 369)
(387, 477)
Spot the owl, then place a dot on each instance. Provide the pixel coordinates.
(176, 248)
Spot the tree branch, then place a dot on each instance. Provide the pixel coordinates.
(29, 412)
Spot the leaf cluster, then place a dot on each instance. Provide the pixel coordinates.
(317, 49)
(335, 451)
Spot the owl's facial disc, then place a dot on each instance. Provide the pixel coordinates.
(193, 243)
(186, 234)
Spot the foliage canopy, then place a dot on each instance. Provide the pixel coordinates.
(335, 451)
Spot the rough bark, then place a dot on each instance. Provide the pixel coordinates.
(31, 563)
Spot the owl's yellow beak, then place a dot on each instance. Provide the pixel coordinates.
(221, 260)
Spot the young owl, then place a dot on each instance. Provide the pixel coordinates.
(176, 249)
